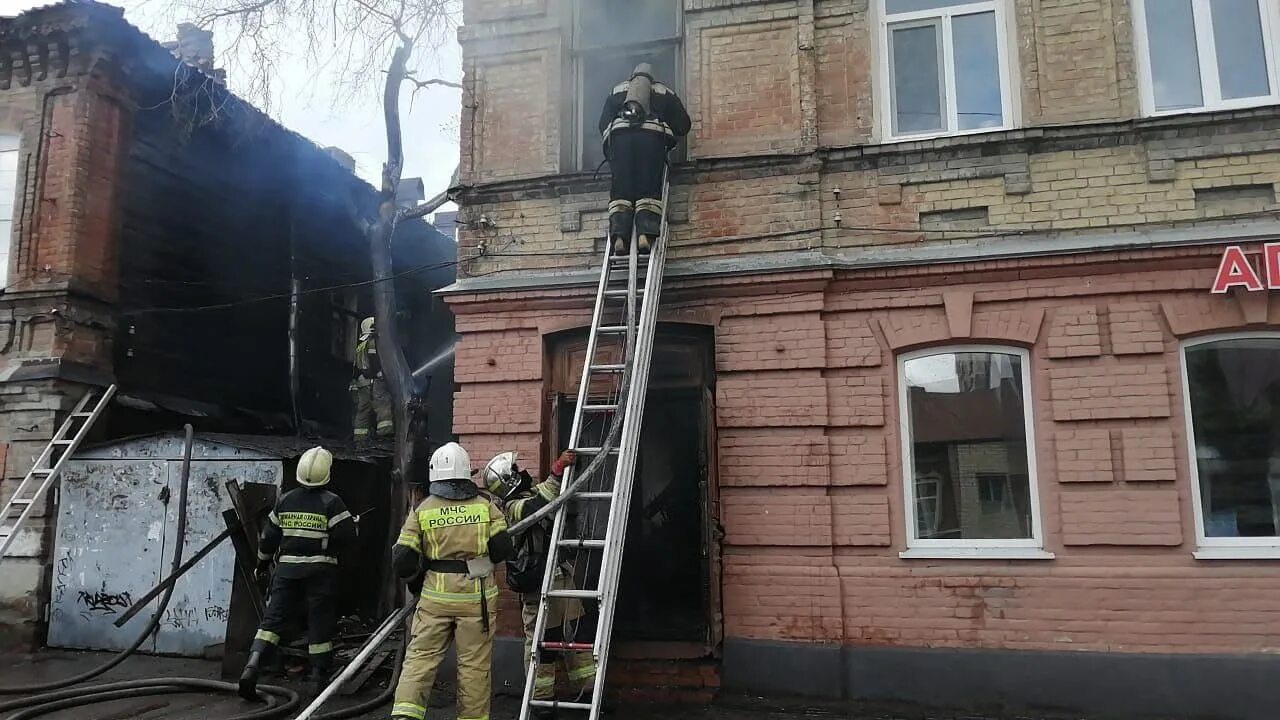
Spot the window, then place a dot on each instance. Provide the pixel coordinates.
(1232, 396)
(611, 37)
(1206, 54)
(968, 451)
(945, 67)
(8, 194)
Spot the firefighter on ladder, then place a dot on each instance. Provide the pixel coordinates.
(447, 550)
(309, 528)
(369, 389)
(514, 486)
(641, 122)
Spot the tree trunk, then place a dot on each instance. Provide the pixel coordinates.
(395, 367)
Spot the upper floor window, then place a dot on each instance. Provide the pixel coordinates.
(1206, 54)
(610, 38)
(968, 453)
(8, 195)
(1232, 392)
(945, 67)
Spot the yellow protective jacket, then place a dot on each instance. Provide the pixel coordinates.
(458, 531)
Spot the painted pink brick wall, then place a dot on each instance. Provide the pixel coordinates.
(811, 497)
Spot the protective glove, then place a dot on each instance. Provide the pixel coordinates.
(262, 573)
(415, 583)
(566, 460)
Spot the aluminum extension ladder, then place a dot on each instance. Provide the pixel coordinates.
(617, 294)
(48, 466)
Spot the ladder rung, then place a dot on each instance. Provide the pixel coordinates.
(622, 293)
(22, 501)
(41, 471)
(585, 707)
(587, 544)
(593, 496)
(5, 532)
(570, 646)
(574, 594)
(63, 442)
(612, 329)
(610, 407)
(596, 450)
(82, 414)
(608, 367)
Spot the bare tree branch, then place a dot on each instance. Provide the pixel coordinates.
(433, 81)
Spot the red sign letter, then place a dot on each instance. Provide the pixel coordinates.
(1235, 270)
(1271, 256)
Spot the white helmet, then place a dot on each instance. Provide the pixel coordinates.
(314, 467)
(504, 478)
(366, 328)
(450, 462)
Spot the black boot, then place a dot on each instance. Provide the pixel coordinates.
(249, 678)
(319, 680)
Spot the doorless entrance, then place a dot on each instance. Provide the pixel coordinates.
(669, 587)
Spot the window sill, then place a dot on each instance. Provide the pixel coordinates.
(1221, 108)
(943, 134)
(972, 553)
(1237, 553)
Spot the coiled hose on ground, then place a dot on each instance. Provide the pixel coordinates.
(280, 700)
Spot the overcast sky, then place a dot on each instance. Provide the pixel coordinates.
(308, 107)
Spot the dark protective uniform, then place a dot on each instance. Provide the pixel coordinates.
(309, 528)
(565, 616)
(436, 541)
(369, 395)
(637, 152)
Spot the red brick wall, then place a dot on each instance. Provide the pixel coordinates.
(811, 497)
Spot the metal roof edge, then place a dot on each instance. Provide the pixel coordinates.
(1006, 248)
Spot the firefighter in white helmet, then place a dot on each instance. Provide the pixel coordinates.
(447, 550)
(369, 395)
(305, 533)
(565, 619)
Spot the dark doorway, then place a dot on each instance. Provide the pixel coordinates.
(662, 592)
(668, 590)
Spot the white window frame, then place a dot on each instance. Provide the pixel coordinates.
(1217, 548)
(1009, 99)
(1210, 86)
(11, 143)
(1031, 548)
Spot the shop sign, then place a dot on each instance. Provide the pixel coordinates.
(1235, 270)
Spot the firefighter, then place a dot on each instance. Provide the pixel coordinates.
(309, 528)
(447, 550)
(369, 389)
(641, 122)
(520, 497)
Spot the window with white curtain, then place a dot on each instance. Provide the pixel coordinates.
(1199, 55)
(969, 453)
(8, 196)
(945, 67)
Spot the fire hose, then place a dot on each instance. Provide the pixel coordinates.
(280, 701)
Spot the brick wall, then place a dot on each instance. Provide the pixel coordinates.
(810, 458)
(783, 152)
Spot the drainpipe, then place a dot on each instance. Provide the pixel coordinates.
(295, 290)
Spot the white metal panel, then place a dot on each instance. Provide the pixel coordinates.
(197, 614)
(109, 550)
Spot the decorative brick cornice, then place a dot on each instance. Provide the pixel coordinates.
(57, 41)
